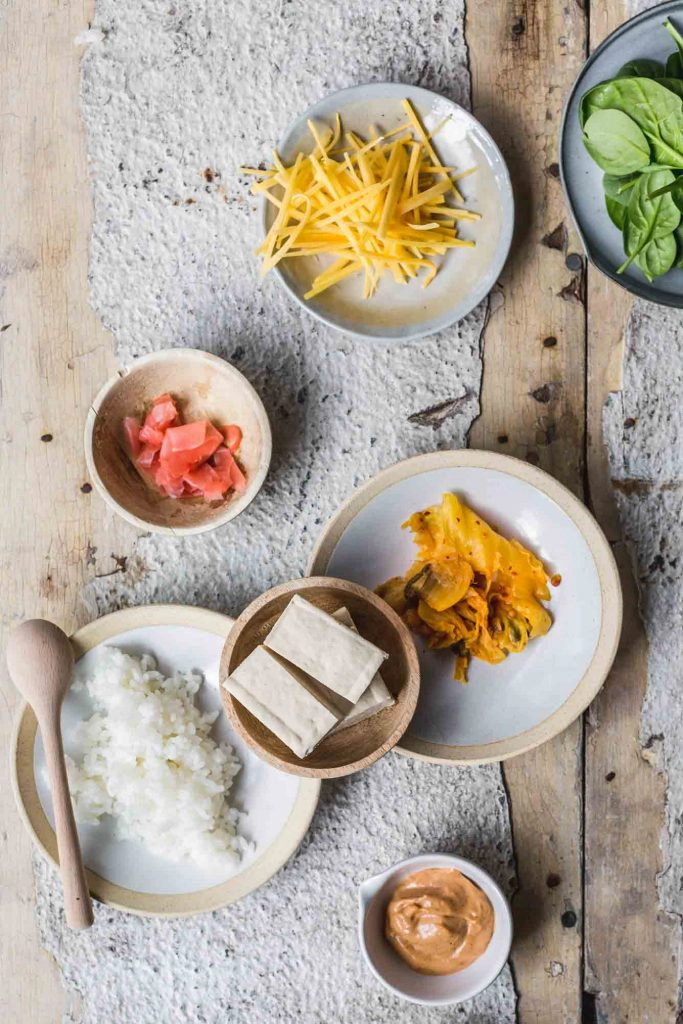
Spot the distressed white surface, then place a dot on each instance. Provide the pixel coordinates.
(644, 432)
(175, 88)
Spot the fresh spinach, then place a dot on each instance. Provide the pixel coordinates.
(678, 235)
(632, 127)
(658, 257)
(674, 65)
(674, 187)
(656, 111)
(615, 142)
(616, 211)
(648, 218)
(618, 188)
(644, 68)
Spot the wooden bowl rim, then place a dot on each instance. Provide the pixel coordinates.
(411, 686)
(233, 508)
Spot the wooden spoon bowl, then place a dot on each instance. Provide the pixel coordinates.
(204, 386)
(359, 745)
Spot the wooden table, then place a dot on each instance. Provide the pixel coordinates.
(552, 352)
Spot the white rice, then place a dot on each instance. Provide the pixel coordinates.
(149, 761)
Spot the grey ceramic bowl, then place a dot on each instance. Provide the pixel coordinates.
(642, 36)
(403, 312)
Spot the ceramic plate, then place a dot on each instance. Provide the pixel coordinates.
(642, 36)
(507, 708)
(277, 807)
(401, 312)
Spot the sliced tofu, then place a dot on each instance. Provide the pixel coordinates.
(284, 699)
(376, 697)
(326, 649)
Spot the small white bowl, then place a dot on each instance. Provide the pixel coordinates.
(204, 386)
(399, 313)
(387, 966)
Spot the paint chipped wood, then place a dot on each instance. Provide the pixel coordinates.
(537, 337)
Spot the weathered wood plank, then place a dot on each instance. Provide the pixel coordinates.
(524, 57)
(631, 957)
(53, 357)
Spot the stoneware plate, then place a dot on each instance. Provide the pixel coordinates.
(359, 745)
(508, 708)
(122, 873)
(642, 36)
(429, 990)
(204, 386)
(402, 312)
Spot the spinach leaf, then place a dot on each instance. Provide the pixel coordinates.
(648, 217)
(615, 142)
(674, 65)
(616, 211)
(678, 235)
(657, 257)
(674, 188)
(656, 111)
(673, 84)
(643, 68)
(618, 188)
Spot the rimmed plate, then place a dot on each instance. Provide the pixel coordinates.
(403, 312)
(122, 873)
(642, 36)
(508, 708)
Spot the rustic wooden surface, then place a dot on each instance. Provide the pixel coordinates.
(591, 942)
(533, 402)
(54, 353)
(630, 954)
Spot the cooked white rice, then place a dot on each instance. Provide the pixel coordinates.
(149, 761)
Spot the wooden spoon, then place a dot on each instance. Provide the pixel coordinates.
(40, 662)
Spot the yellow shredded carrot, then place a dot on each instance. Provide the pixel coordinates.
(374, 206)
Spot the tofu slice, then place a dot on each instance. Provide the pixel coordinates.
(376, 698)
(284, 699)
(324, 648)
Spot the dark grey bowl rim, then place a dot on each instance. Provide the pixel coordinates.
(642, 289)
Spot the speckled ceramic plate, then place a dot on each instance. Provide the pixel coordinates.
(402, 312)
(123, 873)
(642, 36)
(530, 697)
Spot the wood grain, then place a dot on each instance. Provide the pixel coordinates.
(53, 356)
(524, 56)
(631, 945)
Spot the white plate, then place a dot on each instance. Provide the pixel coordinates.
(401, 312)
(531, 696)
(277, 807)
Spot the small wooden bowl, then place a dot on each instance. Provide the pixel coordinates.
(204, 386)
(360, 745)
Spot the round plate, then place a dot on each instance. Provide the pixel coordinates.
(401, 312)
(508, 708)
(123, 873)
(642, 36)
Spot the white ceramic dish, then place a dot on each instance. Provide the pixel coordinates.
(388, 967)
(508, 708)
(404, 312)
(205, 386)
(278, 807)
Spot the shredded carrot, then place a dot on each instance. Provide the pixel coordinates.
(375, 206)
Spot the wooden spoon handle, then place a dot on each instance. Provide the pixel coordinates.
(77, 904)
